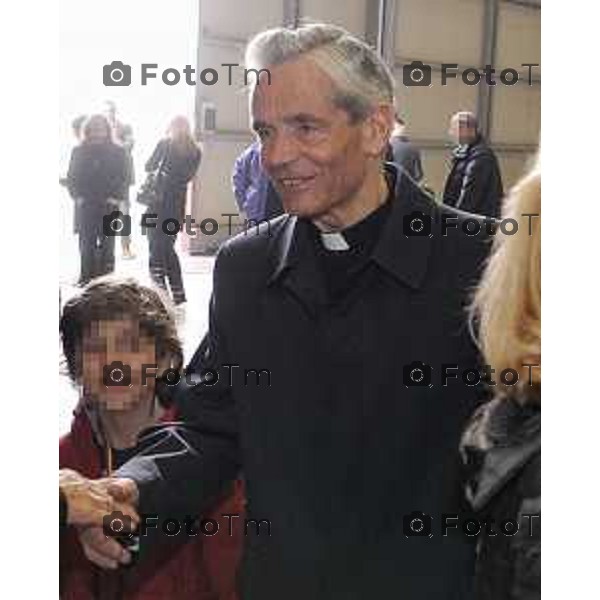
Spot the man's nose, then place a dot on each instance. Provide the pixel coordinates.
(279, 151)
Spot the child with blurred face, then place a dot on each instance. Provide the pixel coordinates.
(120, 343)
(119, 336)
(118, 360)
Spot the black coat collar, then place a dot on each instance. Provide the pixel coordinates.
(403, 256)
(477, 146)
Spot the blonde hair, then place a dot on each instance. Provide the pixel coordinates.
(180, 128)
(179, 132)
(507, 305)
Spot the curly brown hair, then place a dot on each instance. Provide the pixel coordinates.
(111, 298)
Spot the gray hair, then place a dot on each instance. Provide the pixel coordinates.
(360, 76)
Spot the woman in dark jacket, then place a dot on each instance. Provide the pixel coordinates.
(97, 181)
(176, 158)
(502, 445)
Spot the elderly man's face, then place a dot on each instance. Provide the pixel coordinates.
(315, 157)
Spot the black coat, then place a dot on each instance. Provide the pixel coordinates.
(97, 172)
(177, 168)
(337, 449)
(502, 450)
(474, 183)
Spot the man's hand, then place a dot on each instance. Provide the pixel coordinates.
(104, 551)
(89, 501)
(100, 548)
(124, 491)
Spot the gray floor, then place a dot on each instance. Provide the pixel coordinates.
(197, 273)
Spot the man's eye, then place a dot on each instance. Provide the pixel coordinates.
(262, 134)
(306, 128)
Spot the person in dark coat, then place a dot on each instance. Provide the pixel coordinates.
(97, 180)
(332, 327)
(403, 152)
(502, 445)
(177, 157)
(474, 183)
(77, 129)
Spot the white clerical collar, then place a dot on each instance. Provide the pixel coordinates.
(334, 241)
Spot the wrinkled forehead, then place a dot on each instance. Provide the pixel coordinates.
(296, 87)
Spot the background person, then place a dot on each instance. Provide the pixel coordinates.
(254, 193)
(474, 183)
(178, 158)
(502, 446)
(403, 152)
(112, 320)
(77, 129)
(97, 181)
(123, 135)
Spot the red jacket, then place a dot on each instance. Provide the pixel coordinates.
(202, 569)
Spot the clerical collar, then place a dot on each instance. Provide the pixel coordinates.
(360, 237)
(334, 241)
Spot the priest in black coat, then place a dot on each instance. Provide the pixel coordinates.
(332, 374)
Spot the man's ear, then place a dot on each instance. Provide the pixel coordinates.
(377, 128)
